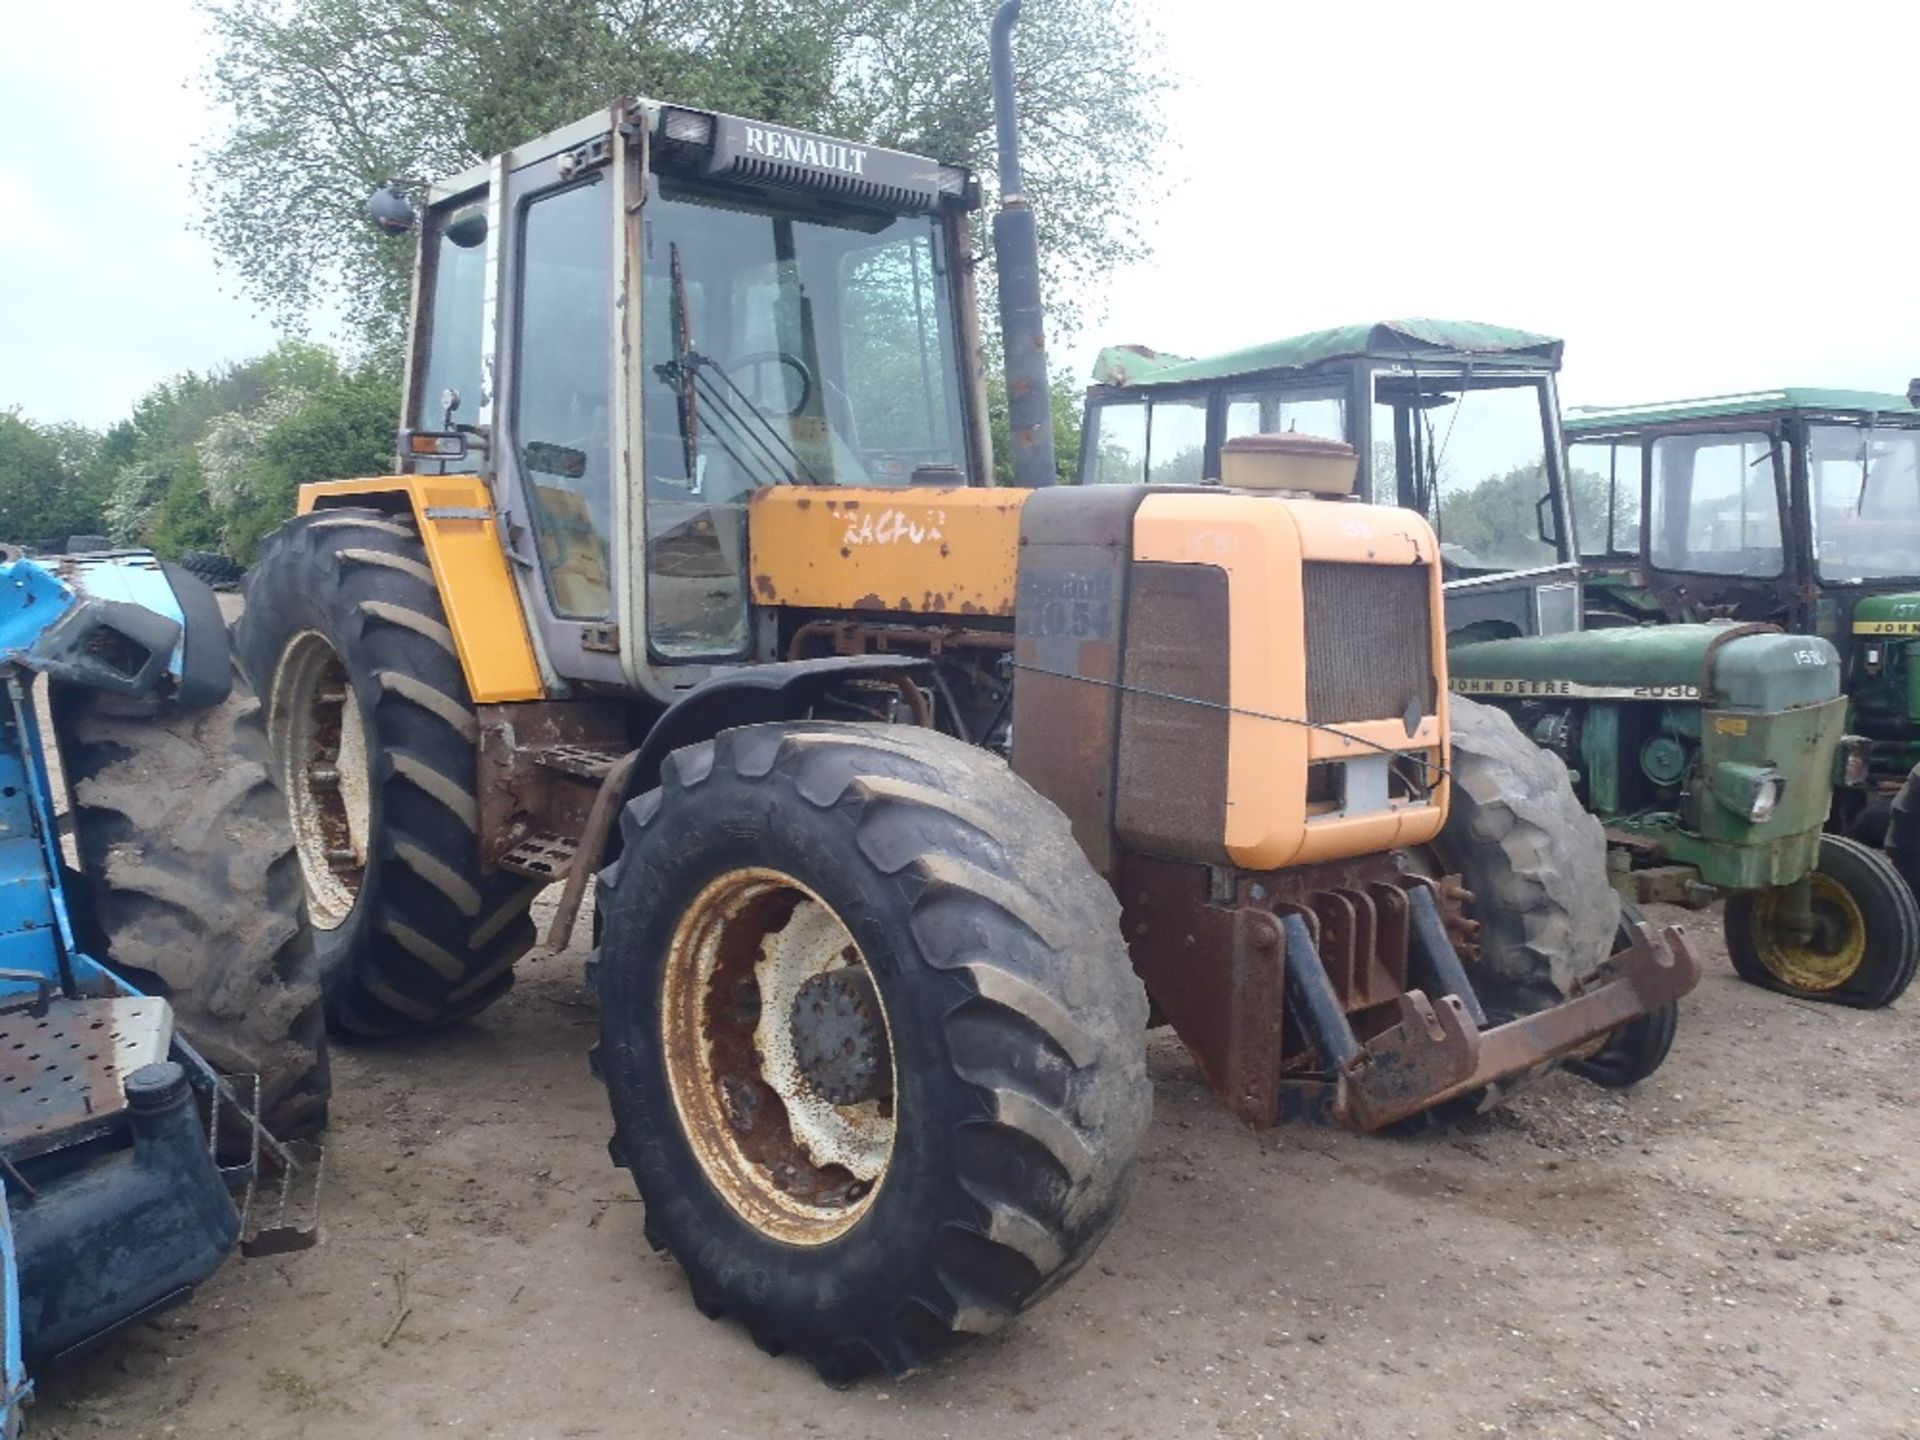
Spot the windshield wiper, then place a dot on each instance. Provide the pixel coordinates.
(688, 372)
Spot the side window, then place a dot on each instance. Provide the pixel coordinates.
(1605, 479)
(1177, 442)
(1715, 508)
(1279, 412)
(453, 324)
(895, 406)
(1115, 444)
(562, 397)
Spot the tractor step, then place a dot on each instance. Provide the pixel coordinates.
(541, 856)
(584, 762)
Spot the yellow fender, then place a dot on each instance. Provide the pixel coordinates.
(454, 514)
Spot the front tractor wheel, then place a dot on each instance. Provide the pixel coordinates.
(373, 736)
(1864, 942)
(875, 1052)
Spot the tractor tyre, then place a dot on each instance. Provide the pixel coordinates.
(220, 572)
(875, 1050)
(1638, 1048)
(374, 736)
(1866, 938)
(1534, 861)
(189, 888)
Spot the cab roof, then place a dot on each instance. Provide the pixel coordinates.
(1609, 419)
(1409, 341)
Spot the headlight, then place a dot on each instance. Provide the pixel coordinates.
(1749, 791)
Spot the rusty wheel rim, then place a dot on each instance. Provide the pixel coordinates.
(320, 750)
(779, 1056)
(1827, 959)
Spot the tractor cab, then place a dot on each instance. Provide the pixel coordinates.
(1796, 507)
(1458, 421)
(1800, 507)
(631, 326)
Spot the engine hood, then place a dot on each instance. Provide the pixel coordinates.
(1654, 662)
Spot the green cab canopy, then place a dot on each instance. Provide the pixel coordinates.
(1409, 341)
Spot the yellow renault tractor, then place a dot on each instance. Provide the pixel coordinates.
(912, 800)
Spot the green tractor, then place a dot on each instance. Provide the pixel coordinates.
(1710, 744)
(1797, 508)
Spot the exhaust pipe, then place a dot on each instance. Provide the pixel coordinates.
(1016, 248)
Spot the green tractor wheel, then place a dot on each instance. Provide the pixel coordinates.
(1865, 941)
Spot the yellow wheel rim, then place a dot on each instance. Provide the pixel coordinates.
(779, 1055)
(1828, 958)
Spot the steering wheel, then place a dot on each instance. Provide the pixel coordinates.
(777, 358)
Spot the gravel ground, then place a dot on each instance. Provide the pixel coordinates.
(1729, 1250)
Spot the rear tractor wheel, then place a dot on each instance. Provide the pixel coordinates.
(374, 735)
(1864, 943)
(190, 887)
(875, 1052)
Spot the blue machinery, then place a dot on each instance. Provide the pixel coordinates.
(112, 1203)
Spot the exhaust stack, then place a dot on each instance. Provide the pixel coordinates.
(1016, 246)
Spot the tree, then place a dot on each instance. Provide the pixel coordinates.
(214, 461)
(328, 99)
(46, 481)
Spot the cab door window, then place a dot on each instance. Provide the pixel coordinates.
(1177, 442)
(562, 393)
(1604, 476)
(1115, 445)
(1716, 505)
(451, 351)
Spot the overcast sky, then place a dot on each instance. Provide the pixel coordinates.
(1697, 197)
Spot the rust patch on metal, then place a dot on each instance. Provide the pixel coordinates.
(1210, 945)
(540, 769)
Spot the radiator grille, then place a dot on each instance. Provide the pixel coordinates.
(1369, 640)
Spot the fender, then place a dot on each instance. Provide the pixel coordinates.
(755, 695)
(458, 525)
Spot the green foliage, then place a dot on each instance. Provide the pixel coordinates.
(49, 481)
(207, 462)
(328, 99)
(1497, 522)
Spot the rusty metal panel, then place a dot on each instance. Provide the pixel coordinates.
(1173, 751)
(540, 765)
(1076, 550)
(915, 550)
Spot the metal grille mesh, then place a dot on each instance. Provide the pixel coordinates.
(1369, 640)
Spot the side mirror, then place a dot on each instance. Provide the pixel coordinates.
(1545, 521)
(392, 211)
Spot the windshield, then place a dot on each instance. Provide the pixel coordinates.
(1471, 454)
(1716, 510)
(788, 351)
(779, 349)
(1865, 484)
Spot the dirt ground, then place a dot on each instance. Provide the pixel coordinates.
(1730, 1250)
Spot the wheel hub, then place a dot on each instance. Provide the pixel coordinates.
(1823, 959)
(839, 1043)
(777, 1049)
